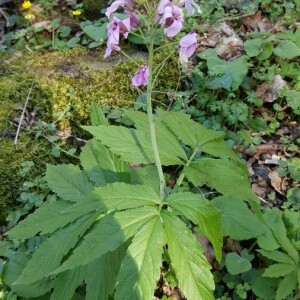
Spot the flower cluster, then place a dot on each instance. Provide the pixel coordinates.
(169, 14)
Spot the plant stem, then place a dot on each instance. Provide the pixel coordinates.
(162, 183)
(182, 175)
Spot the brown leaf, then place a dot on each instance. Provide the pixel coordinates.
(268, 91)
(276, 181)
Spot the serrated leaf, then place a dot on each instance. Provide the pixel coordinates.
(164, 137)
(45, 219)
(275, 223)
(140, 268)
(131, 145)
(52, 251)
(12, 270)
(123, 196)
(66, 283)
(279, 270)
(102, 273)
(227, 177)
(188, 261)
(287, 49)
(68, 182)
(238, 221)
(201, 212)
(107, 234)
(99, 163)
(197, 136)
(236, 264)
(277, 256)
(147, 176)
(97, 115)
(286, 286)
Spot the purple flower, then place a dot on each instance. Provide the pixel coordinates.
(172, 19)
(161, 9)
(141, 76)
(190, 6)
(134, 20)
(188, 45)
(114, 29)
(128, 4)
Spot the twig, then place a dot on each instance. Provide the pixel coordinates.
(23, 112)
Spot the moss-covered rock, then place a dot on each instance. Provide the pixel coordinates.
(71, 79)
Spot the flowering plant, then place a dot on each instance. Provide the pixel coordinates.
(114, 225)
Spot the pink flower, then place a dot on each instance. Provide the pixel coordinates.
(141, 77)
(188, 45)
(161, 9)
(128, 4)
(114, 29)
(172, 19)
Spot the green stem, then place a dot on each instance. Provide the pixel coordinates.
(182, 175)
(162, 183)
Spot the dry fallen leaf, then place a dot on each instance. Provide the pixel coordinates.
(276, 181)
(268, 91)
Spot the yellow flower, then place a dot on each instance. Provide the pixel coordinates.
(29, 17)
(76, 12)
(26, 4)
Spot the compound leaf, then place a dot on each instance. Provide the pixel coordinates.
(66, 283)
(227, 177)
(68, 182)
(123, 196)
(131, 145)
(140, 268)
(201, 212)
(286, 286)
(45, 219)
(98, 162)
(107, 234)
(279, 270)
(190, 265)
(102, 273)
(52, 251)
(238, 221)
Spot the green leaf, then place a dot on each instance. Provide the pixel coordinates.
(287, 49)
(66, 283)
(197, 136)
(277, 256)
(253, 47)
(238, 221)
(147, 176)
(188, 261)
(68, 182)
(164, 137)
(97, 115)
(12, 270)
(96, 33)
(107, 234)
(201, 212)
(123, 196)
(45, 219)
(267, 241)
(273, 219)
(131, 145)
(140, 268)
(99, 163)
(236, 264)
(279, 270)
(227, 177)
(286, 286)
(102, 273)
(225, 74)
(266, 51)
(52, 251)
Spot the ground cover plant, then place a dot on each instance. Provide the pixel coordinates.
(156, 204)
